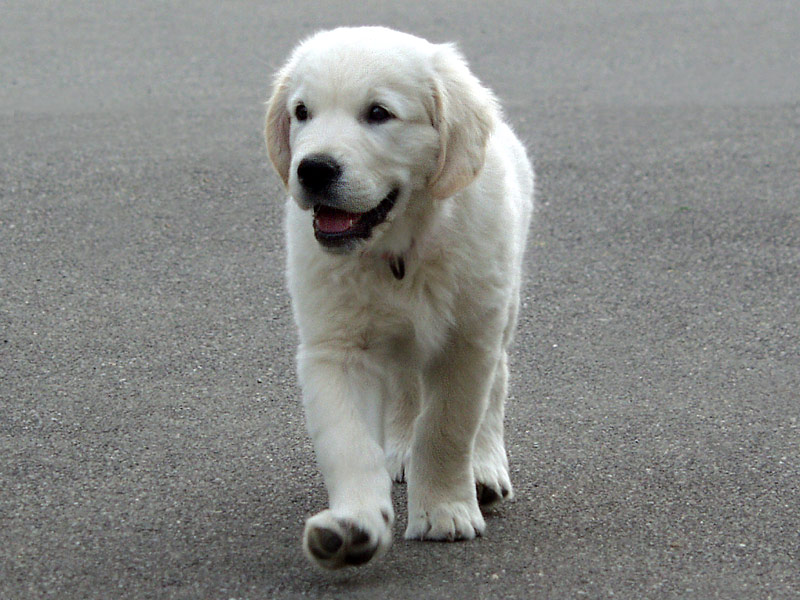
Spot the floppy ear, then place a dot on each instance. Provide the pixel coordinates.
(465, 113)
(277, 126)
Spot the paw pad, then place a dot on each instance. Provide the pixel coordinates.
(488, 496)
(347, 545)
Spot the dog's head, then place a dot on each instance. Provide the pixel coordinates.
(367, 125)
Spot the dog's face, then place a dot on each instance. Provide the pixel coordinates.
(366, 123)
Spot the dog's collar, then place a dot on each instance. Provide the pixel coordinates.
(397, 264)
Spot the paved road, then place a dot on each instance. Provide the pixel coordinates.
(151, 440)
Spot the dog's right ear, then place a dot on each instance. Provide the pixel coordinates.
(277, 126)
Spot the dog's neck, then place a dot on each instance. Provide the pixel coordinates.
(411, 243)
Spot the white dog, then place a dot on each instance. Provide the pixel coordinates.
(410, 204)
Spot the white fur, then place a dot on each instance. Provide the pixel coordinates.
(402, 378)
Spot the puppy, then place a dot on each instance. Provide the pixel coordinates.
(410, 204)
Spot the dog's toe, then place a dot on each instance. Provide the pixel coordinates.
(447, 522)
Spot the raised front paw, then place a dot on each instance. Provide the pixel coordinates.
(333, 541)
(446, 522)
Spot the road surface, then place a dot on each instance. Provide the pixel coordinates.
(151, 437)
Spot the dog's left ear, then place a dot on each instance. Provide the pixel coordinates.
(277, 126)
(465, 114)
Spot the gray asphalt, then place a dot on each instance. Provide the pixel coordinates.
(151, 438)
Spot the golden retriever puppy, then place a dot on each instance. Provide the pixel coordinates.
(409, 206)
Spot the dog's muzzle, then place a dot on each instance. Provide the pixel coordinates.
(335, 228)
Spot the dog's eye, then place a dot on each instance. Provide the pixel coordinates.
(377, 114)
(301, 112)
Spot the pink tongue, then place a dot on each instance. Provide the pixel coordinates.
(331, 220)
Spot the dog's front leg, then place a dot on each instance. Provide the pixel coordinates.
(442, 501)
(343, 404)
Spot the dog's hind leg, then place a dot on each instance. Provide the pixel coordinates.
(489, 459)
(402, 408)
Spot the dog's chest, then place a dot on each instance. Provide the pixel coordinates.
(371, 309)
(415, 313)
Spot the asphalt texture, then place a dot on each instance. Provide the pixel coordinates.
(151, 435)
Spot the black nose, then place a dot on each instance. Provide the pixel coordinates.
(318, 172)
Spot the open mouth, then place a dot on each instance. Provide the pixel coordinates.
(334, 227)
